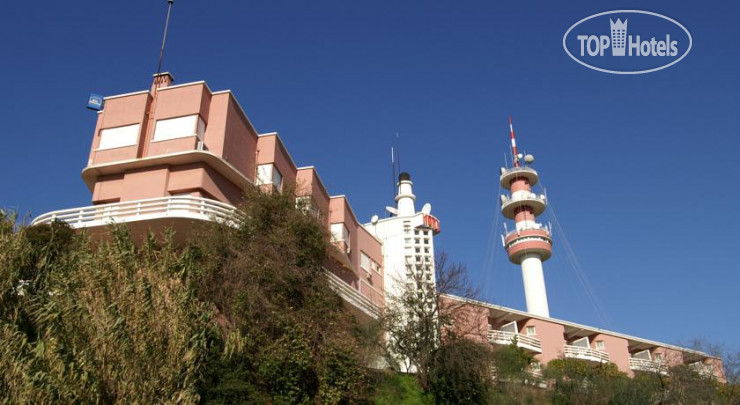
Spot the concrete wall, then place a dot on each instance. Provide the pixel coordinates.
(270, 149)
(618, 349)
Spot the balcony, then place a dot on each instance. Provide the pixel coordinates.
(510, 204)
(585, 353)
(652, 366)
(186, 207)
(704, 370)
(508, 175)
(178, 213)
(501, 337)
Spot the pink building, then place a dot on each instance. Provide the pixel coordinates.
(174, 155)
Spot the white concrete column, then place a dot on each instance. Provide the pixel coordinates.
(534, 285)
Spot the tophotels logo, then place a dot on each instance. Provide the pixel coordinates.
(653, 42)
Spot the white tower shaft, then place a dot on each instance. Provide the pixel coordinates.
(534, 285)
(405, 198)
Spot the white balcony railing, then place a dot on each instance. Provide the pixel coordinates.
(637, 364)
(181, 207)
(704, 370)
(353, 296)
(501, 337)
(139, 210)
(585, 353)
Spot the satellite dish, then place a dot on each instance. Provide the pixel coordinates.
(374, 219)
(427, 208)
(392, 210)
(528, 158)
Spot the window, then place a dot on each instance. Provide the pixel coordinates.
(365, 261)
(181, 127)
(658, 356)
(339, 233)
(307, 205)
(531, 331)
(119, 137)
(600, 345)
(536, 366)
(269, 174)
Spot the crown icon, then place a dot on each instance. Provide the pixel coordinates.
(619, 36)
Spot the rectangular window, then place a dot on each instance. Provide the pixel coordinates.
(658, 356)
(111, 138)
(600, 345)
(365, 261)
(180, 127)
(269, 174)
(339, 233)
(531, 331)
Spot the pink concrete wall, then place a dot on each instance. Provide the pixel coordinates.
(717, 369)
(114, 155)
(214, 137)
(118, 112)
(180, 101)
(374, 250)
(144, 183)
(551, 338)
(339, 211)
(309, 184)
(271, 150)
(469, 321)
(200, 177)
(671, 357)
(172, 146)
(240, 142)
(108, 189)
(618, 349)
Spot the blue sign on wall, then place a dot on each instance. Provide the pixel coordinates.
(95, 102)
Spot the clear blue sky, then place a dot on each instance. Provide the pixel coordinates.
(642, 170)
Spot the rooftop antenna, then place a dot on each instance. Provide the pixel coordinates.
(513, 144)
(164, 37)
(399, 153)
(393, 174)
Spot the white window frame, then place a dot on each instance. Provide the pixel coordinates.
(119, 137)
(531, 330)
(600, 345)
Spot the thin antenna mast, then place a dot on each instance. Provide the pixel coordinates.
(398, 148)
(515, 157)
(393, 174)
(164, 37)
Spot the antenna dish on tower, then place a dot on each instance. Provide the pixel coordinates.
(528, 159)
(392, 210)
(427, 208)
(374, 219)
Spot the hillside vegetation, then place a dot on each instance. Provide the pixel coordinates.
(244, 314)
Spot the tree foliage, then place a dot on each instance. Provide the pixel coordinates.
(289, 338)
(242, 313)
(114, 324)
